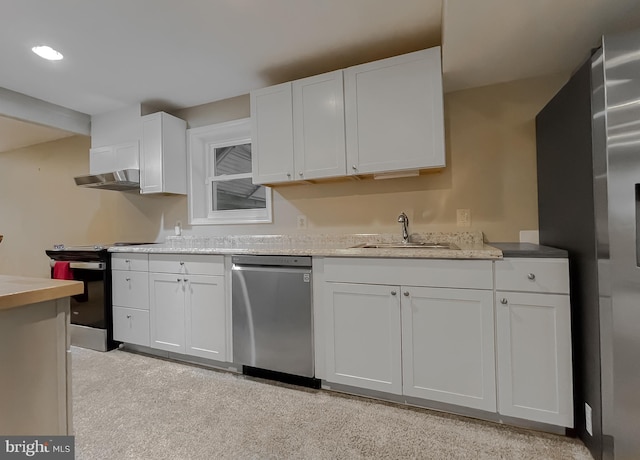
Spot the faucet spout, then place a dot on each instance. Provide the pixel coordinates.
(404, 220)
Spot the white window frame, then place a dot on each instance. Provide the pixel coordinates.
(201, 144)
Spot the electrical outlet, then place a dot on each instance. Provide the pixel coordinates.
(301, 222)
(588, 423)
(464, 217)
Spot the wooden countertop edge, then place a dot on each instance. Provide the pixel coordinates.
(16, 291)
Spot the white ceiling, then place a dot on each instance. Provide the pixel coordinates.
(175, 55)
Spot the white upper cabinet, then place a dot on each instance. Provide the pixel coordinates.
(379, 117)
(318, 126)
(114, 158)
(394, 114)
(272, 134)
(298, 130)
(163, 156)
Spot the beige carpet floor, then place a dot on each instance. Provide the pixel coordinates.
(130, 406)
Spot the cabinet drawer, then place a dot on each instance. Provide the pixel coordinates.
(188, 264)
(130, 289)
(469, 274)
(533, 275)
(131, 325)
(129, 261)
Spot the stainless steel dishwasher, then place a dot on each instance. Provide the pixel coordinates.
(272, 314)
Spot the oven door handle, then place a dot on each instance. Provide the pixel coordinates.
(101, 266)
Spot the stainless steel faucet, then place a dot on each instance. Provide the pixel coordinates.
(404, 220)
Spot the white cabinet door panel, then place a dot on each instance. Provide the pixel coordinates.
(318, 122)
(206, 317)
(394, 113)
(167, 312)
(534, 357)
(272, 134)
(363, 336)
(448, 346)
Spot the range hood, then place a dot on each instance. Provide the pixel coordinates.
(124, 180)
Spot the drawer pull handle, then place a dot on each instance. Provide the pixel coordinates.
(503, 301)
(406, 293)
(393, 292)
(531, 276)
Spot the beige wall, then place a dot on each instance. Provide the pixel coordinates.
(491, 170)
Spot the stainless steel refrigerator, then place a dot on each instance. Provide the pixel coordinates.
(588, 147)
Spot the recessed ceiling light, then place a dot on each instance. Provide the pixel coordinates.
(46, 52)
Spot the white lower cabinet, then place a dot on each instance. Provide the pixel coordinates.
(534, 340)
(420, 341)
(188, 314)
(364, 339)
(448, 346)
(131, 325)
(534, 357)
(130, 298)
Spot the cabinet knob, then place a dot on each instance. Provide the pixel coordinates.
(288, 174)
(406, 293)
(179, 279)
(531, 276)
(354, 167)
(393, 292)
(186, 279)
(127, 261)
(301, 174)
(128, 316)
(503, 301)
(128, 279)
(181, 263)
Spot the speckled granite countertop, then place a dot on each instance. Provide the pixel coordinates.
(471, 246)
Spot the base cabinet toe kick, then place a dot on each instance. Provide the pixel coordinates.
(489, 339)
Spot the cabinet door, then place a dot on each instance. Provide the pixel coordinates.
(127, 156)
(363, 336)
(206, 317)
(130, 289)
(166, 311)
(448, 346)
(272, 134)
(151, 170)
(131, 325)
(394, 114)
(318, 126)
(163, 157)
(534, 357)
(102, 160)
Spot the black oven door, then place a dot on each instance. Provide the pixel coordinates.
(89, 308)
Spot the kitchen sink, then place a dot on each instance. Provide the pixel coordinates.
(407, 246)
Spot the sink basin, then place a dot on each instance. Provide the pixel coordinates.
(407, 246)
